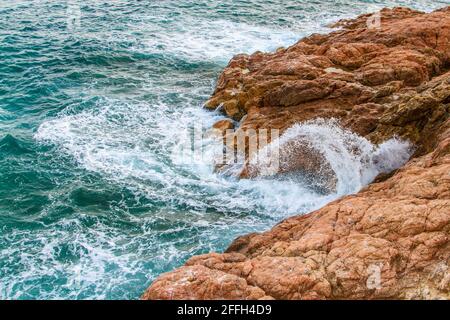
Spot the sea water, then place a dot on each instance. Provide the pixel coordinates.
(94, 202)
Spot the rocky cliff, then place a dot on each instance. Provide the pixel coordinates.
(391, 240)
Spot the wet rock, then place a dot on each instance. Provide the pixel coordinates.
(223, 125)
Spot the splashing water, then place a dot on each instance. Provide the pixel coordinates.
(93, 203)
(351, 159)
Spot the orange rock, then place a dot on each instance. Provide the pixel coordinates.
(392, 239)
(199, 283)
(332, 75)
(223, 125)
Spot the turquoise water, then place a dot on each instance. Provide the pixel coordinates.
(93, 202)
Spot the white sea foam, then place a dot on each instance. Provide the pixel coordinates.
(125, 143)
(217, 40)
(354, 160)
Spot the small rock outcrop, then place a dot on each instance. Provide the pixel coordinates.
(390, 240)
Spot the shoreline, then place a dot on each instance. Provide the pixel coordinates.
(390, 240)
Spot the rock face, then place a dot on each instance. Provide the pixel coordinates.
(391, 240)
(352, 75)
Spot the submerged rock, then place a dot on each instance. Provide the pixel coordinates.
(390, 240)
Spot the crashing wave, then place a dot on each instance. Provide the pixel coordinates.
(328, 157)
